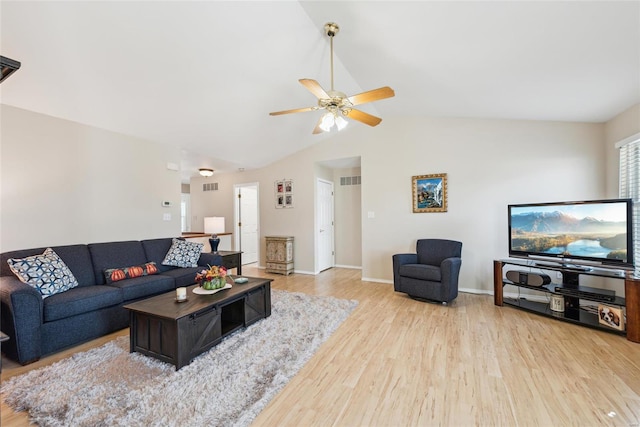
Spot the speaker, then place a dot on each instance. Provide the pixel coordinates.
(529, 279)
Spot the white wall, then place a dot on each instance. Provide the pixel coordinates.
(64, 183)
(490, 163)
(620, 127)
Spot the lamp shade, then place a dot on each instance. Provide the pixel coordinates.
(214, 224)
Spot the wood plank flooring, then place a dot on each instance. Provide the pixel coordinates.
(400, 362)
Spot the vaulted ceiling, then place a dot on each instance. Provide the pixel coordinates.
(204, 75)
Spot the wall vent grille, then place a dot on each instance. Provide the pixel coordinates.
(350, 180)
(210, 186)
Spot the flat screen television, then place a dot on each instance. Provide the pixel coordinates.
(593, 231)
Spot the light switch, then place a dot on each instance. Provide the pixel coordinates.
(166, 217)
(371, 214)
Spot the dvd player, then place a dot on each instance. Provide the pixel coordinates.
(594, 294)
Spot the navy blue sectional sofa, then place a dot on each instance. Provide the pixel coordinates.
(40, 326)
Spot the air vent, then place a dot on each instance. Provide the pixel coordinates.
(210, 186)
(350, 180)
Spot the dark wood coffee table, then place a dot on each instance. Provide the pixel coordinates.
(177, 332)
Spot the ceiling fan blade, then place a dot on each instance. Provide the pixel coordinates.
(296, 110)
(363, 117)
(315, 88)
(372, 95)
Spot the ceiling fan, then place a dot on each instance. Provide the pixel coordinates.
(337, 104)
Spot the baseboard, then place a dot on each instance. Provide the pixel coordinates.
(353, 267)
(304, 272)
(375, 280)
(475, 291)
(295, 271)
(371, 279)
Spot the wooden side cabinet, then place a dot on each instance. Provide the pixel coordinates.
(279, 254)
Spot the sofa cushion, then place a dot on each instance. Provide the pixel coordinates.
(115, 255)
(183, 276)
(78, 259)
(145, 286)
(45, 272)
(82, 299)
(421, 272)
(183, 253)
(114, 274)
(156, 250)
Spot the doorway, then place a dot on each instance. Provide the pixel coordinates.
(246, 221)
(325, 226)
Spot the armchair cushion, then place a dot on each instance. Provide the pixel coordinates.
(434, 251)
(421, 272)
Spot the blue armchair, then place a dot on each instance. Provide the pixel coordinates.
(432, 273)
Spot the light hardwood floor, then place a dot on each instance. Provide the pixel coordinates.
(400, 362)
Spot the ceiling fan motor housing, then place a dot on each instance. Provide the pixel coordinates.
(331, 29)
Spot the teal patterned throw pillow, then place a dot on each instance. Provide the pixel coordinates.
(46, 272)
(183, 254)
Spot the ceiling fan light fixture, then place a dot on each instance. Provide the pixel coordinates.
(206, 172)
(328, 120)
(341, 123)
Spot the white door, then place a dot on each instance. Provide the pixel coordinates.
(324, 234)
(246, 224)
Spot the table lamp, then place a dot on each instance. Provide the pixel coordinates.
(214, 225)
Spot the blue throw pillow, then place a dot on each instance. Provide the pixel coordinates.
(183, 254)
(46, 272)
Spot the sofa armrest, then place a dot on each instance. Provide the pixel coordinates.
(207, 258)
(398, 260)
(21, 316)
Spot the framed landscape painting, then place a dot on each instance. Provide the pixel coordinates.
(429, 193)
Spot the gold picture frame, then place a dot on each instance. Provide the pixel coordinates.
(429, 193)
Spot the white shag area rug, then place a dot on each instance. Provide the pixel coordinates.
(227, 386)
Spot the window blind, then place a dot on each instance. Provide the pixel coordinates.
(630, 186)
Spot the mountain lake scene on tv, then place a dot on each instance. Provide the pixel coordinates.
(585, 232)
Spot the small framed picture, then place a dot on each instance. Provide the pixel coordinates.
(612, 317)
(284, 193)
(429, 193)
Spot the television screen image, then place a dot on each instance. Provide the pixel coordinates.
(598, 230)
